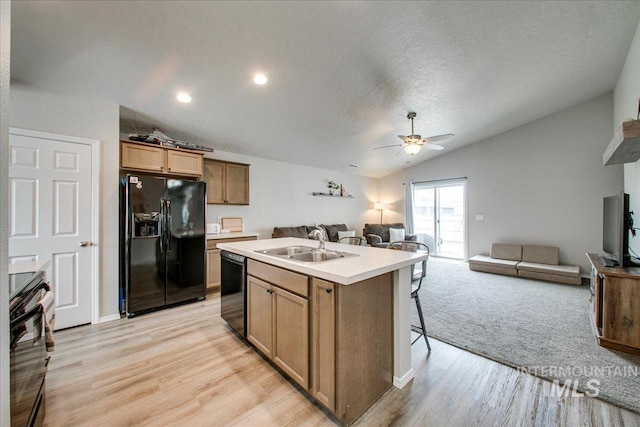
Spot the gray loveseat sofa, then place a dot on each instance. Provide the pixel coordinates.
(302, 231)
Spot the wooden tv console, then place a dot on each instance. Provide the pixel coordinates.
(615, 305)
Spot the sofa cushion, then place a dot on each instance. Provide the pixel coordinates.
(561, 270)
(496, 269)
(540, 254)
(396, 234)
(489, 261)
(332, 231)
(300, 232)
(570, 280)
(506, 251)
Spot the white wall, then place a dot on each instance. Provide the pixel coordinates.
(280, 196)
(625, 106)
(541, 183)
(5, 55)
(44, 111)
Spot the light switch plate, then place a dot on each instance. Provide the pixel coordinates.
(480, 217)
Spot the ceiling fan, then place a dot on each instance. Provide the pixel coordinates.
(412, 144)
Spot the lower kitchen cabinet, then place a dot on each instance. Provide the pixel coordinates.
(213, 268)
(213, 258)
(291, 335)
(336, 341)
(260, 315)
(278, 325)
(323, 348)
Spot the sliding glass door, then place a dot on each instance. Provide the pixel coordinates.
(439, 216)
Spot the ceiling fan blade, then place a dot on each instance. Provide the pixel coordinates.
(439, 138)
(387, 146)
(434, 147)
(405, 138)
(401, 150)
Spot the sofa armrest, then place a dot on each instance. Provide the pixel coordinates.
(373, 239)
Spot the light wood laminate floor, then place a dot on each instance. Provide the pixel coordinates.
(184, 367)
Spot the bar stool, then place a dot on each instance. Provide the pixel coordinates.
(357, 240)
(415, 247)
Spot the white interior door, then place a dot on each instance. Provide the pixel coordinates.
(50, 217)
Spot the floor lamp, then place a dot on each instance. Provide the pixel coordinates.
(380, 207)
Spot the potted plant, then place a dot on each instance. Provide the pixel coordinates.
(332, 186)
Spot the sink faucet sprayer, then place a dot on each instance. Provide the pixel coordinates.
(317, 234)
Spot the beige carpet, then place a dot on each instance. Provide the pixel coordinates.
(542, 327)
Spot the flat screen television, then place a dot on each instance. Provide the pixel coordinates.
(616, 224)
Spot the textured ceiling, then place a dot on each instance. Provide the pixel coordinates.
(342, 75)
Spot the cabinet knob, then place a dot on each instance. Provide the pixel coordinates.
(328, 290)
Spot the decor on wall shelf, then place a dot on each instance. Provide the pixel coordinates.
(317, 193)
(332, 186)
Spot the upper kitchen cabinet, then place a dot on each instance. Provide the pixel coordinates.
(143, 157)
(227, 182)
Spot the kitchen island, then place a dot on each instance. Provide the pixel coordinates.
(358, 308)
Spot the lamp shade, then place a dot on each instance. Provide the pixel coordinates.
(412, 149)
(379, 206)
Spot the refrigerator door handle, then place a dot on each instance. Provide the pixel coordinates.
(162, 231)
(169, 224)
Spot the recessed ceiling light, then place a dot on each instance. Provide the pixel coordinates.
(183, 97)
(260, 79)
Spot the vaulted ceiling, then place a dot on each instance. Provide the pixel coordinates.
(342, 75)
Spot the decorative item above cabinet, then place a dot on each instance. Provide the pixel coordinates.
(625, 145)
(143, 157)
(227, 182)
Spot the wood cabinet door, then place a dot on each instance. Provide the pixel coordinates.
(213, 268)
(184, 163)
(323, 350)
(260, 315)
(621, 311)
(142, 157)
(237, 184)
(291, 335)
(214, 176)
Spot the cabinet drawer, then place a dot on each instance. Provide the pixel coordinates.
(294, 282)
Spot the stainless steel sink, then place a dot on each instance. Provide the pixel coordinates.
(289, 250)
(306, 254)
(317, 256)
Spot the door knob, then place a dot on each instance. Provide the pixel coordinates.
(84, 243)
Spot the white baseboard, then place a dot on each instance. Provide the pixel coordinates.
(108, 318)
(406, 378)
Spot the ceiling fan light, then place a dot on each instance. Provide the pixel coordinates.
(412, 149)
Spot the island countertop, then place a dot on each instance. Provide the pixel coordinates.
(369, 263)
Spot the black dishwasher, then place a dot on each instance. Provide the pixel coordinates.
(233, 295)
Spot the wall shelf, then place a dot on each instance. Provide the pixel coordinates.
(625, 145)
(315, 193)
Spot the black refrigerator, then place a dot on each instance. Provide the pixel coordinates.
(163, 243)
